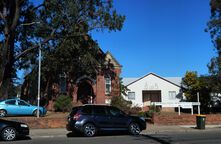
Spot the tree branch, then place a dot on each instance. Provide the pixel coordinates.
(28, 24)
(1, 16)
(34, 47)
(35, 8)
(16, 16)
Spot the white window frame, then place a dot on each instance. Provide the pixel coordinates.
(172, 95)
(131, 97)
(107, 83)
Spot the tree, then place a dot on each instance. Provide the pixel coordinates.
(11, 15)
(214, 28)
(123, 88)
(121, 103)
(53, 24)
(215, 79)
(193, 84)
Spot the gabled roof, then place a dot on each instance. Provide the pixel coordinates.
(110, 57)
(176, 80)
(127, 81)
(173, 80)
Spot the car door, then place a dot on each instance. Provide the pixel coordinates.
(24, 108)
(101, 117)
(11, 107)
(119, 120)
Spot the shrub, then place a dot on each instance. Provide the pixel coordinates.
(135, 110)
(124, 105)
(154, 109)
(149, 114)
(142, 114)
(63, 103)
(121, 103)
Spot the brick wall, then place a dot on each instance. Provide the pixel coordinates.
(183, 119)
(41, 123)
(100, 90)
(158, 119)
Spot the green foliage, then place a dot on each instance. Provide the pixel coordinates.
(149, 114)
(193, 84)
(13, 38)
(62, 28)
(214, 28)
(143, 114)
(214, 23)
(63, 103)
(124, 105)
(134, 110)
(123, 88)
(121, 103)
(154, 109)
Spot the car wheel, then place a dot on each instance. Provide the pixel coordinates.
(3, 113)
(35, 113)
(9, 134)
(89, 130)
(134, 129)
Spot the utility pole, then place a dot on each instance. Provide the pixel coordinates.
(198, 100)
(39, 79)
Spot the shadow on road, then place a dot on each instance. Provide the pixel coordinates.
(161, 139)
(72, 134)
(23, 138)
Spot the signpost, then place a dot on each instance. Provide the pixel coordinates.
(184, 105)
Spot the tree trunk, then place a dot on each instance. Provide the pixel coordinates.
(10, 14)
(8, 67)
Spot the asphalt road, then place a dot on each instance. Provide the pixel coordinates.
(116, 139)
(189, 137)
(200, 137)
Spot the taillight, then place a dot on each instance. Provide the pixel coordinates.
(76, 116)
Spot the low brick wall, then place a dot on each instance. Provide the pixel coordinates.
(158, 119)
(42, 122)
(183, 119)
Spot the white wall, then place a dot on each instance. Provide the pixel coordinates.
(152, 82)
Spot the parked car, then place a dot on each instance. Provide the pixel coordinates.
(89, 119)
(215, 104)
(19, 107)
(10, 130)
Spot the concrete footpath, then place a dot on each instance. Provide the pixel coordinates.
(151, 129)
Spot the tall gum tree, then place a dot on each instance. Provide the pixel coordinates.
(214, 28)
(24, 26)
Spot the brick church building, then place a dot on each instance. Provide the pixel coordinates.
(99, 90)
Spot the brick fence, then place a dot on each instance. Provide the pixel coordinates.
(42, 122)
(183, 119)
(158, 119)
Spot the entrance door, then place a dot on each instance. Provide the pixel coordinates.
(85, 92)
(151, 95)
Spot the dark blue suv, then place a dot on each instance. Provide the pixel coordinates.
(89, 119)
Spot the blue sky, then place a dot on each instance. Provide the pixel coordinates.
(162, 36)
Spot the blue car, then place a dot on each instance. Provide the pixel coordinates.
(11, 107)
